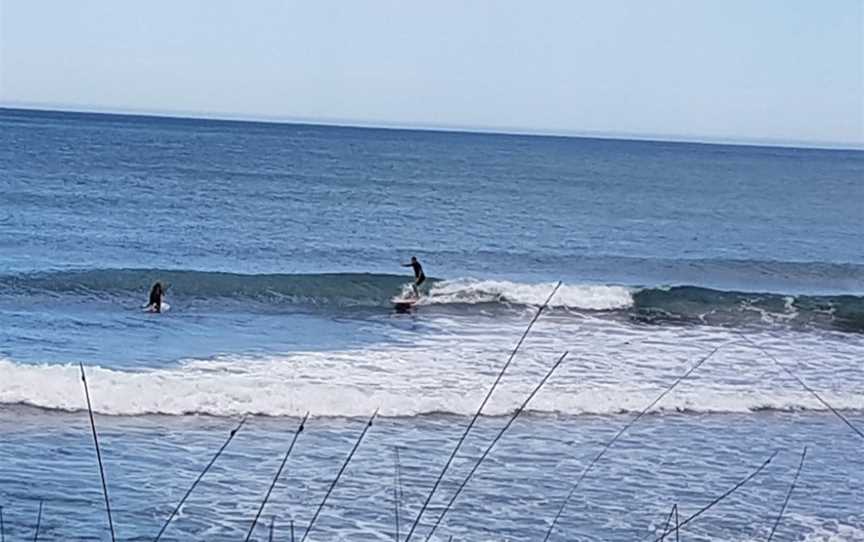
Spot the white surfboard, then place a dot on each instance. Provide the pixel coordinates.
(165, 308)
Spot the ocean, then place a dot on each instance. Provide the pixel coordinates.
(281, 246)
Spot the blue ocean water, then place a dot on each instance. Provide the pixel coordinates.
(281, 248)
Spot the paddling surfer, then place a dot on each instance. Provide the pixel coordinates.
(156, 294)
(419, 276)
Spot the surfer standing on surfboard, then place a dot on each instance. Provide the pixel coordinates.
(419, 276)
(156, 294)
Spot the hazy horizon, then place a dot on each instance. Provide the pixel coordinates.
(788, 73)
(512, 131)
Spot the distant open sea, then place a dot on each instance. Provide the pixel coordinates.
(281, 248)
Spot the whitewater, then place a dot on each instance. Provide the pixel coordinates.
(613, 370)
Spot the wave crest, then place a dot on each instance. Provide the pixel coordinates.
(588, 297)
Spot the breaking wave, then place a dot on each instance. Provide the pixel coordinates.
(654, 305)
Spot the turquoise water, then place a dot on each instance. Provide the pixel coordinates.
(281, 248)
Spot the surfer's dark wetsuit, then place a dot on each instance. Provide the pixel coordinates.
(156, 297)
(419, 276)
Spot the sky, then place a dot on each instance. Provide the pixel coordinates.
(778, 70)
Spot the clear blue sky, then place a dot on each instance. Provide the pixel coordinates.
(789, 70)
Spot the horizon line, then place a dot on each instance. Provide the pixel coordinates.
(441, 128)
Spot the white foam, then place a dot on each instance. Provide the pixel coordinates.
(819, 529)
(807, 528)
(575, 296)
(612, 368)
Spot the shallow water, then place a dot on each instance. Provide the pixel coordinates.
(688, 459)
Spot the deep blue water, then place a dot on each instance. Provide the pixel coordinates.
(281, 248)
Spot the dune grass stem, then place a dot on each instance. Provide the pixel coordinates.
(478, 412)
